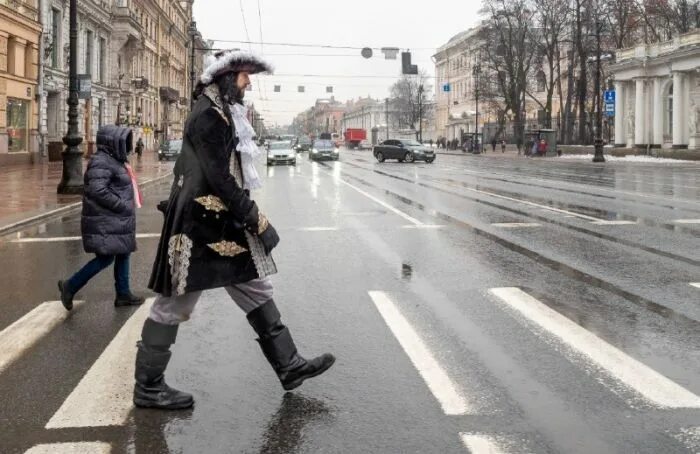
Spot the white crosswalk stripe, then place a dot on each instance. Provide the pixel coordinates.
(480, 444)
(654, 387)
(28, 330)
(103, 396)
(435, 377)
(71, 448)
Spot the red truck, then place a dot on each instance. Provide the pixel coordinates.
(353, 137)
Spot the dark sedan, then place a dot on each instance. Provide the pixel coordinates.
(404, 150)
(324, 149)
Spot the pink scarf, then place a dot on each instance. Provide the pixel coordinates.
(134, 184)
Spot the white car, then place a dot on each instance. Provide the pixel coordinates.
(281, 152)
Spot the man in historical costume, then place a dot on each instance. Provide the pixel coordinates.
(215, 236)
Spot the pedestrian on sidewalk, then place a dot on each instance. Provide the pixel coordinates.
(108, 222)
(214, 235)
(542, 147)
(139, 147)
(503, 146)
(493, 144)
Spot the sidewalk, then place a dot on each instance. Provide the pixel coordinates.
(30, 190)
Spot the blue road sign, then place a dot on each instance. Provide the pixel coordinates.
(446, 88)
(610, 96)
(610, 109)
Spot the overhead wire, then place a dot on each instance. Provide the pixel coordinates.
(319, 46)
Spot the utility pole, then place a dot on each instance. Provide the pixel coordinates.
(386, 103)
(72, 177)
(598, 157)
(420, 113)
(477, 73)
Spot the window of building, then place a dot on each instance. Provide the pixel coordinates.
(541, 82)
(11, 56)
(88, 52)
(55, 37)
(101, 60)
(17, 125)
(100, 113)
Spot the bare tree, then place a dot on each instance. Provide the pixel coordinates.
(407, 103)
(550, 20)
(508, 53)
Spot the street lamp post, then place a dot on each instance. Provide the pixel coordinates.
(72, 176)
(477, 73)
(193, 33)
(598, 157)
(420, 113)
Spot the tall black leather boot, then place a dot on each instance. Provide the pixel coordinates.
(150, 390)
(279, 349)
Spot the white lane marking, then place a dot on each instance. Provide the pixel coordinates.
(318, 229)
(613, 222)
(686, 221)
(71, 448)
(536, 205)
(480, 444)
(407, 217)
(515, 225)
(28, 330)
(695, 284)
(58, 239)
(434, 376)
(423, 226)
(653, 386)
(104, 395)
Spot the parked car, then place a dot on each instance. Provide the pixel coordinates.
(282, 152)
(169, 150)
(324, 149)
(404, 150)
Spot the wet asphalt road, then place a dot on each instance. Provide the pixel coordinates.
(613, 249)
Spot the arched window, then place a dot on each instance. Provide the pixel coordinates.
(541, 82)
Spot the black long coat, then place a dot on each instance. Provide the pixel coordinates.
(203, 243)
(108, 222)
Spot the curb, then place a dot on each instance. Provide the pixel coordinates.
(66, 209)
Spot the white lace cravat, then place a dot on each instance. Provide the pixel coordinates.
(246, 146)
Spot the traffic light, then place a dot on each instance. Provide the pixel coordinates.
(406, 66)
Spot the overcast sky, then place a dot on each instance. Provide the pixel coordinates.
(356, 23)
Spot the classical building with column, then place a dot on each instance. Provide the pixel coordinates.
(657, 102)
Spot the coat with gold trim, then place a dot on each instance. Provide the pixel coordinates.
(203, 243)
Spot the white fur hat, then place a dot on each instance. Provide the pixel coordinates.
(233, 61)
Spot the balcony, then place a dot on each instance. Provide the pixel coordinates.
(126, 27)
(169, 94)
(140, 83)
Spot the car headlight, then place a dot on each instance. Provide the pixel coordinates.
(336, 151)
(314, 151)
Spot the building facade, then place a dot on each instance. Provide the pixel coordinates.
(657, 94)
(20, 34)
(136, 55)
(459, 71)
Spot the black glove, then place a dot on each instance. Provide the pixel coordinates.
(269, 238)
(257, 224)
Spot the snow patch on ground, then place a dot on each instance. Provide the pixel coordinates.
(649, 159)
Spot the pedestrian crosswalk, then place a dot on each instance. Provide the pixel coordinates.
(23, 334)
(102, 398)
